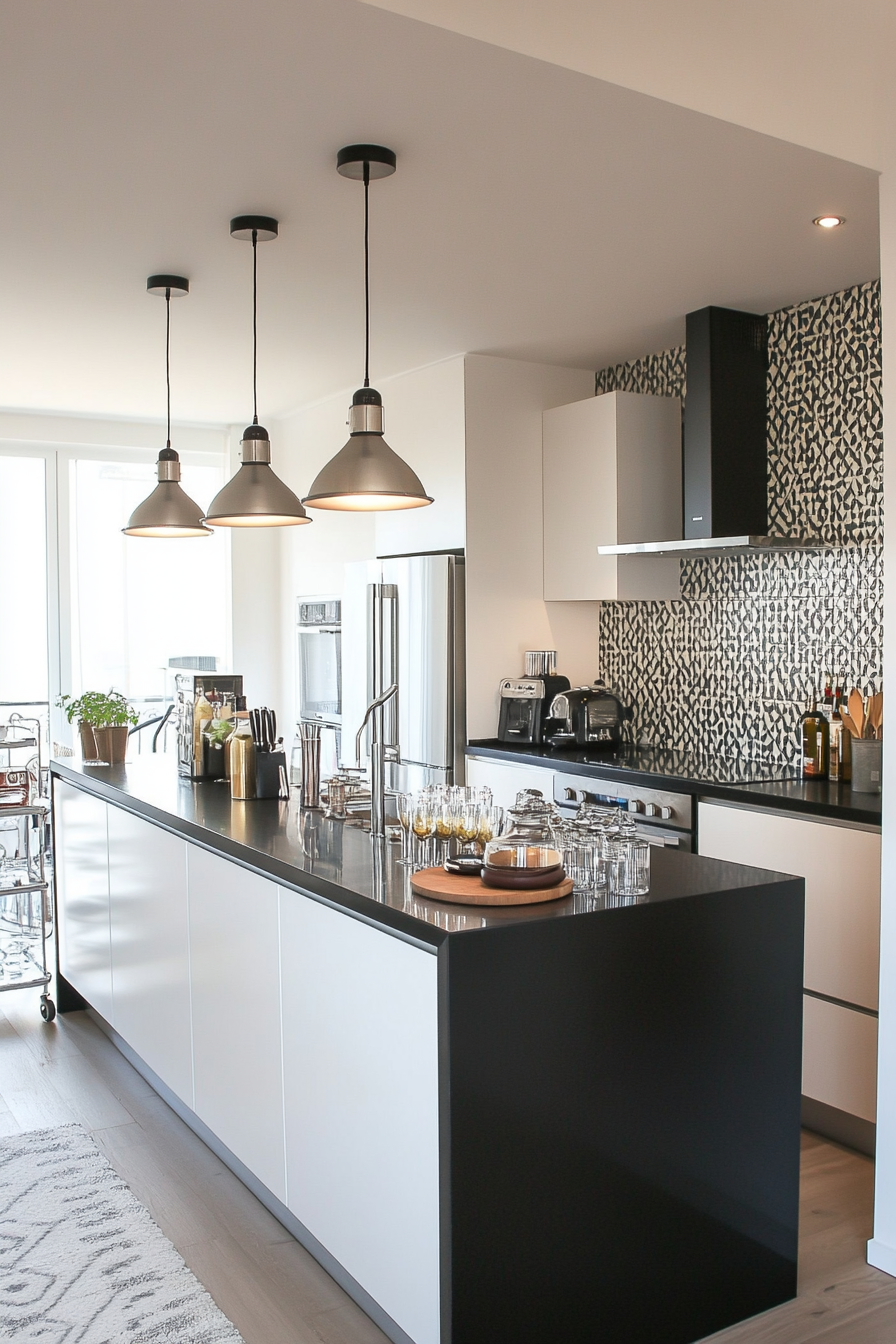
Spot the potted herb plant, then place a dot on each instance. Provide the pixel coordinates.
(103, 721)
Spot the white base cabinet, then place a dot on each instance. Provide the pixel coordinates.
(150, 946)
(841, 867)
(506, 781)
(82, 895)
(235, 999)
(360, 1043)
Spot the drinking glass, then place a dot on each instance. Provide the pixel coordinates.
(490, 821)
(404, 806)
(446, 821)
(423, 824)
(468, 824)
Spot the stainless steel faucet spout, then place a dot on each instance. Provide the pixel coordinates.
(377, 759)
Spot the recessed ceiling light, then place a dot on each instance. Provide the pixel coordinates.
(829, 221)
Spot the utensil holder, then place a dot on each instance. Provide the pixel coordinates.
(866, 765)
(309, 735)
(268, 765)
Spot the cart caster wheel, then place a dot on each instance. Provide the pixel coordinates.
(47, 1008)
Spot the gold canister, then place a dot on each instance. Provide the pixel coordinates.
(242, 765)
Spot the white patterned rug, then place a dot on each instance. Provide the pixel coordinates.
(81, 1260)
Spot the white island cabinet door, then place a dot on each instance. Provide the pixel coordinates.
(150, 947)
(360, 1064)
(235, 993)
(82, 894)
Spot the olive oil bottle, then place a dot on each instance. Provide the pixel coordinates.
(815, 739)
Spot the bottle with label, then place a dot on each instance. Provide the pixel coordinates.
(202, 712)
(242, 755)
(815, 742)
(216, 733)
(827, 700)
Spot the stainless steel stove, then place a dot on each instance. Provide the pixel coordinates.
(662, 817)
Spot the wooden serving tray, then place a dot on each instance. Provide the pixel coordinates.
(442, 886)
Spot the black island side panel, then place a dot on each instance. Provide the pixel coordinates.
(623, 1100)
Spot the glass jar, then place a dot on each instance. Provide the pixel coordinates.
(528, 838)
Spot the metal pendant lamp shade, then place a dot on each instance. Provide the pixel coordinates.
(366, 475)
(168, 511)
(255, 496)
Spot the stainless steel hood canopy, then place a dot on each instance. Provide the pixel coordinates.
(725, 443)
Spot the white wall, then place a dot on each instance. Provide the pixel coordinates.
(425, 425)
(882, 1249)
(506, 611)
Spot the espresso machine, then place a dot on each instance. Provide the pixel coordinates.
(525, 701)
(188, 687)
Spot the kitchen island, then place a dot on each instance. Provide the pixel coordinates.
(517, 1125)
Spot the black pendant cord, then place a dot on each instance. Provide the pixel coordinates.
(168, 357)
(366, 276)
(255, 326)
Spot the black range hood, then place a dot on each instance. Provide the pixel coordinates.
(725, 442)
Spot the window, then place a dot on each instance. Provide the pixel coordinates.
(138, 601)
(23, 581)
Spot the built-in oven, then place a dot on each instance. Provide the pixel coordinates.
(663, 818)
(319, 672)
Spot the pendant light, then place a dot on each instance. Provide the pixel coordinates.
(366, 474)
(168, 511)
(255, 496)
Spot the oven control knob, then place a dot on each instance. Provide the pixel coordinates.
(571, 795)
(651, 810)
(635, 805)
(665, 813)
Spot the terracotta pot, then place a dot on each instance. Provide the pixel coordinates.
(88, 742)
(112, 744)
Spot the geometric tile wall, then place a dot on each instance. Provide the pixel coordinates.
(726, 670)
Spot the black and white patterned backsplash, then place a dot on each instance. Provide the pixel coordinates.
(726, 670)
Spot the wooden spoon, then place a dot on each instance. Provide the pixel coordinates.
(876, 711)
(857, 711)
(848, 723)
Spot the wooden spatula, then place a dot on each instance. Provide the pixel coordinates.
(857, 711)
(848, 723)
(876, 711)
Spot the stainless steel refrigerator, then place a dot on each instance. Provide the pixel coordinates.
(403, 622)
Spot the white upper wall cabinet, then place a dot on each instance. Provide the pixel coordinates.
(612, 474)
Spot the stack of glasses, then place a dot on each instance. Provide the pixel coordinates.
(441, 815)
(604, 855)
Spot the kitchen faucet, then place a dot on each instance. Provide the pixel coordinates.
(379, 754)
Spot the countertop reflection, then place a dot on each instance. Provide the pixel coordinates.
(339, 862)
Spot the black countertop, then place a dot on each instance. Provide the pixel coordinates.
(733, 780)
(339, 863)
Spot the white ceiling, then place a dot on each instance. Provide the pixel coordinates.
(536, 212)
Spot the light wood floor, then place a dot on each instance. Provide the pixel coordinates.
(275, 1293)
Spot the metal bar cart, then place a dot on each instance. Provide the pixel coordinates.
(26, 909)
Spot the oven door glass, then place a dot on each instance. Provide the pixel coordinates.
(320, 673)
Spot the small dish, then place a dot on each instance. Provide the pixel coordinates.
(464, 865)
(523, 879)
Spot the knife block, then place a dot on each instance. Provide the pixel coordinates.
(268, 765)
